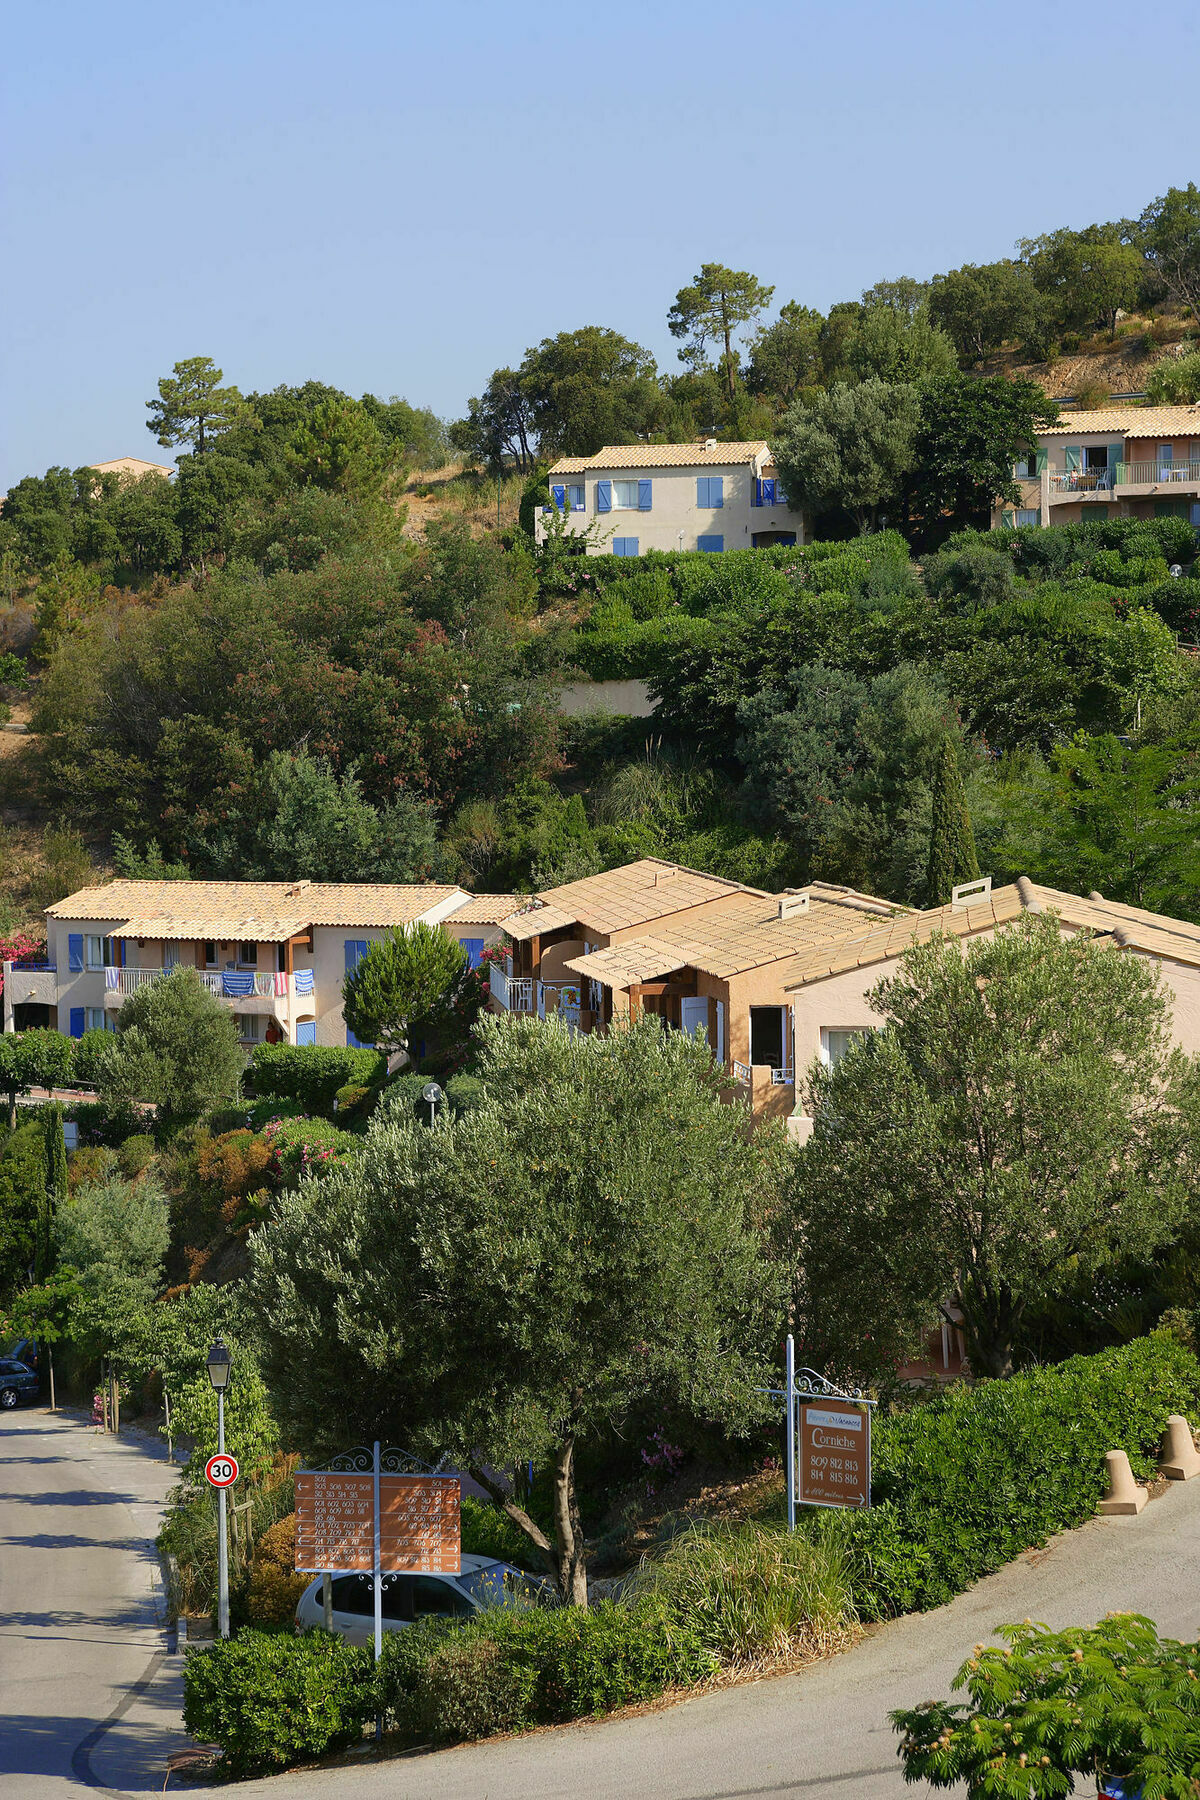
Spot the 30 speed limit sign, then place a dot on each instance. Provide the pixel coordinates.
(221, 1471)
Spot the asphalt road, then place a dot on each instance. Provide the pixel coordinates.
(824, 1732)
(83, 1698)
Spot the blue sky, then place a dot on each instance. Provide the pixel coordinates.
(401, 197)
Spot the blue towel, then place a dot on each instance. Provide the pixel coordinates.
(236, 984)
(303, 981)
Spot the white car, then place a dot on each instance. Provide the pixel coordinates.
(483, 1583)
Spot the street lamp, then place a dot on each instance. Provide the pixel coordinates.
(433, 1096)
(219, 1364)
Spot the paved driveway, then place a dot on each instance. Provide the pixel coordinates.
(80, 1622)
(824, 1732)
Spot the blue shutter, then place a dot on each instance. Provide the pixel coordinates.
(604, 496)
(559, 496)
(1116, 456)
(625, 546)
(306, 1031)
(702, 490)
(77, 1021)
(75, 952)
(474, 950)
(710, 543)
(716, 490)
(644, 500)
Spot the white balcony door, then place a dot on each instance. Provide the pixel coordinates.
(693, 1014)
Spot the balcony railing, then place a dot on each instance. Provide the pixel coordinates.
(226, 984)
(513, 992)
(1124, 474)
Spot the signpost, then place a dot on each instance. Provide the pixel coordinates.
(827, 1435)
(377, 1513)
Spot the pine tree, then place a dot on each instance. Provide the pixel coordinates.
(951, 840)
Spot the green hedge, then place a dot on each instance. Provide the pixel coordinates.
(970, 1480)
(311, 1074)
(270, 1701)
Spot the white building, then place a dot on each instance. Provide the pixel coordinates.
(701, 496)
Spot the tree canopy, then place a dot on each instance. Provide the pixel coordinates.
(176, 1046)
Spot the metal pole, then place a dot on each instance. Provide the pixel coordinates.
(327, 1601)
(789, 1384)
(222, 1538)
(378, 1587)
(50, 1360)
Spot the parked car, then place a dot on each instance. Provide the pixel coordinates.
(17, 1382)
(406, 1598)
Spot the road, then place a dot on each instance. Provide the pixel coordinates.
(81, 1636)
(824, 1732)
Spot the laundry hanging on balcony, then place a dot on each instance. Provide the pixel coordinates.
(303, 981)
(112, 980)
(236, 983)
(279, 986)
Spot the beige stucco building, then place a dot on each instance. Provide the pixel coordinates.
(276, 952)
(706, 495)
(1117, 462)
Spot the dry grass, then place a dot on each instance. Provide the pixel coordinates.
(456, 491)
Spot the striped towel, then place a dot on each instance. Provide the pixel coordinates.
(236, 984)
(279, 986)
(303, 981)
(112, 979)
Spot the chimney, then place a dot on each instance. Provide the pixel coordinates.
(792, 902)
(710, 443)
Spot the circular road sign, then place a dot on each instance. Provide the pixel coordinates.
(221, 1471)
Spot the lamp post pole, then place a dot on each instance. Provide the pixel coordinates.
(219, 1361)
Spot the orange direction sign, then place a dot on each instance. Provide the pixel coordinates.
(419, 1525)
(834, 1453)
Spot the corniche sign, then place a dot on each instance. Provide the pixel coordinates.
(833, 1454)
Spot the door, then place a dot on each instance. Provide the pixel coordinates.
(306, 1031)
(693, 1016)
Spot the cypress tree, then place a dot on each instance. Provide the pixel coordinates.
(951, 840)
(56, 1186)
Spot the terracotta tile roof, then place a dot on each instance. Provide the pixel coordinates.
(637, 894)
(261, 912)
(742, 932)
(486, 909)
(1130, 421)
(661, 456)
(536, 922)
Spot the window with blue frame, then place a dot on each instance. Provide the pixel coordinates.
(710, 491)
(625, 496)
(625, 546)
(577, 496)
(710, 543)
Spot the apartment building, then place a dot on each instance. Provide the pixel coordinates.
(777, 981)
(276, 952)
(706, 495)
(1120, 462)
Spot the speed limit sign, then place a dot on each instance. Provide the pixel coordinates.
(221, 1471)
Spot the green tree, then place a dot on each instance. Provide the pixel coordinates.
(22, 1204)
(56, 1188)
(971, 432)
(498, 430)
(951, 840)
(849, 447)
(1169, 236)
(114, 1235)
(716, 305)
(339, 448)
(1020, 1122)
(799, 750)
(176, 1046)
(409, 975)
(785, 355)
(192, 407)
(589, 388)
(32, 1059)
(894, 346)
(1087, 276)
(579, 1244)
(1175, 381)
(983, 307)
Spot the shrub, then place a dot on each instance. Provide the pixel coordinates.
(306, 1147)
(465, 1093)
(968, 1481)
(135, 1154)
(312, 1073)
(93, 1162)
(275, 1585)
(350, 1101)
(270, 1701)
(100, 1122)
(470, 1687)
(486, 1531)
(748, 1593)
(92, 1053)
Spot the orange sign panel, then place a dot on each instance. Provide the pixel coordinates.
(834, 1450)
(419, 1525)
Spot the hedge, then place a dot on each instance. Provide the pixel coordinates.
(311, 1074)
(270, 1701)
(966, 1482)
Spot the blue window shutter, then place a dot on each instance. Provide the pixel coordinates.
(306, 1031)
(604, 496)
(644, 496)
(768, 492)
(710, 543)
(625, 546)
(702, 490)
(559, 496)
(716, 490)
(75, 951)
(474, 950)
(77, 1021)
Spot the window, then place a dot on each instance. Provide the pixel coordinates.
(93, 1019)
(625, 496)
(710, 543)
(577, 497)
(248, 955)
(710, 491)
(355, 1594)
(1026, 466)
(781, 498)
(1097, 457)
(625, 546)
(1029, 515)
(836, 1042)
(433, 1599)
(251, 1027)
(766, 1035)
(101, 952)
(210, 955)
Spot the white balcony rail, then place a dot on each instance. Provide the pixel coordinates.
(241, 984)
(1156, 473)
(781, 1078)
(513, 992)
(741, 1072)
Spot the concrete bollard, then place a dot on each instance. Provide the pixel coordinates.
(1124, 1495)
(1179, 1459)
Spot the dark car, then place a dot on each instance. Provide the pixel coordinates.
(16, 1383)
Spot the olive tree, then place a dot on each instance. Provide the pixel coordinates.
(176, 1046)
(510, 1283)
(1019, 1121)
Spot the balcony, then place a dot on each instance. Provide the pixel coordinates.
(1154, 477)
(513, 992)
(244, 987)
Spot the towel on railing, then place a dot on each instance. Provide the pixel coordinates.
(279, 985)
(302, 981)
(112, 979)
(236, 983)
